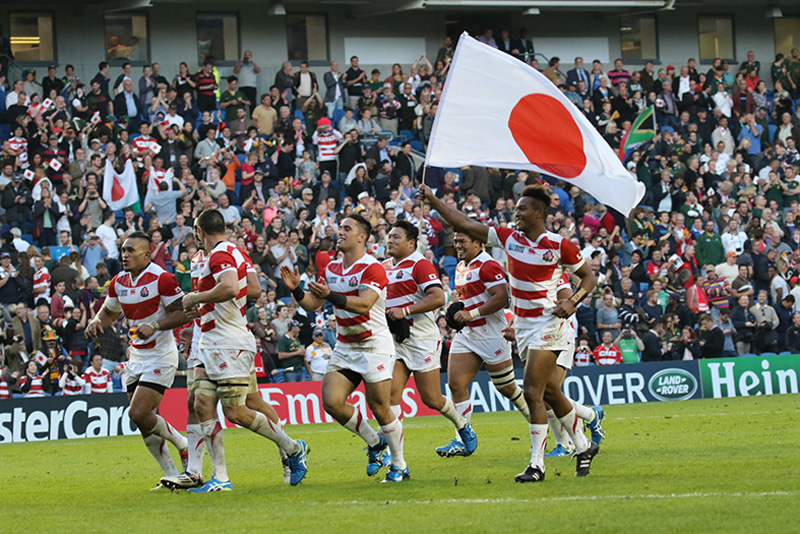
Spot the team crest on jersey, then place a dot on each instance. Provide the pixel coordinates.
(353, 282)
(548, 256)
(469, 276)
(144, 292)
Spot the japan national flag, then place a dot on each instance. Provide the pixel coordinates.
(95, 118)
(497, 111)
(55, 164)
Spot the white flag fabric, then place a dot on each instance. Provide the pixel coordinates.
(497, 111)
(119, 190)
(153, 181)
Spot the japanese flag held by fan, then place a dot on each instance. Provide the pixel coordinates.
(497, 111)
(119, 190)
(154, 179)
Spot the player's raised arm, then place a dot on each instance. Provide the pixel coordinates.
(458, 220)
(360, 304)
(306, 300)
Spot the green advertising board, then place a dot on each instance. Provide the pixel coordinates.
(743, 377)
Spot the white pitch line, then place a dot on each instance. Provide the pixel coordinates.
(694, 495)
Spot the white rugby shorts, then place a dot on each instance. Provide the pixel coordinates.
(420, 355)
(153, 372)
(373, 367)
(226, 363)
(491, 350)
(553, 334)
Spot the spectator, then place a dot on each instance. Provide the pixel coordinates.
(317, 356)
(712, 338)
(766, 322)
(608, 318)
(291, 354)
(97, 379)
(607, 353)
(793, 335)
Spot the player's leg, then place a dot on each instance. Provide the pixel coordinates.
(205, 405)
(564, 445)
(192, 475)
(462, 367)
(400, 376)
(144, 400)
(565, 411)
(591, 416)
(255, 402)
(504, 381)
(429, 385)
(539, 366)
(378, 395)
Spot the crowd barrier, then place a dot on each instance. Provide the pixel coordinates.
(88, 416)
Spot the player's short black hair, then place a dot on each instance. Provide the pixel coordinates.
(139, 235)
(538, 193)
(364, 224)
(211, 221)
(412, 232)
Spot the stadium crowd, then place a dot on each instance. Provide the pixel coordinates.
(706, 266)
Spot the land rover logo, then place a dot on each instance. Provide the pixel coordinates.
(672, 384)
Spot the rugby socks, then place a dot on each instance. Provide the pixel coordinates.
(357, 425)
(212, 434)
(538, 442)
(558, 431)
(465, 409)
(396, 410)
(574, 429)
(166, 431)
(584, 412)
(158, 448)
(449, 410)
(393, 433)
(262, 426)
(197, 446)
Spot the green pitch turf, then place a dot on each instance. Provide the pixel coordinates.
(692, 467)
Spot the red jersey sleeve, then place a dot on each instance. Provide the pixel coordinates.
(570, 254)
(491, 274)
(112, 300)
(221, 261)
(498, 235)
(168, 289)
(374, 277)
(425, 275)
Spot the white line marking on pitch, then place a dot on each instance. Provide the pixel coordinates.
(568, 498)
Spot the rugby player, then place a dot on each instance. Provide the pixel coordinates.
(225, 354)
(150, 299)
(536, 260)
(355, 285)
(414, 293)
(481, 287)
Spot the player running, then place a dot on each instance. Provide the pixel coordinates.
(356, 286)
(414, 292)
(225, 354)
(483, 295)
(536, 260)
(591, 416)
(150, 299)
(192, 476)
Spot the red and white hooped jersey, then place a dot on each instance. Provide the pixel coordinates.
(143, 300)
(408, 281)
(222, 324)
(473, 281)
(607, 355)
(144, 143)
(366, 332)
(4, 393)
(36, 386)
(98, 381)
(72, 386)
(583, 357)
(534, 269)
(41, 279)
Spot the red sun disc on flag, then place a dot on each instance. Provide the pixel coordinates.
(548, 136)
(117, 191)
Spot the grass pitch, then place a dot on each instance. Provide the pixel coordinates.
(697, 466)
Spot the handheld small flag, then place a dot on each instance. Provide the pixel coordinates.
(55, 164)
(29, 174)
(642, 130)
(95, 118)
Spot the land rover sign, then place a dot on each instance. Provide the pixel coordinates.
(672, 384)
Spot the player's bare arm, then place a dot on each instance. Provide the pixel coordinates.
(291, 277)
(101, 321)
(361, 304)
(434, 299)
(458, 220)
(498, 299)
(566, 308)
(175, 317)
(253, 286)
(227, 288)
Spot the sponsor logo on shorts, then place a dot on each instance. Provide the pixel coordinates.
(144, 292)
(157, 371)
(428, 359)
(223, 365)
(381, 367)
(548, 337)
(498, 352)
